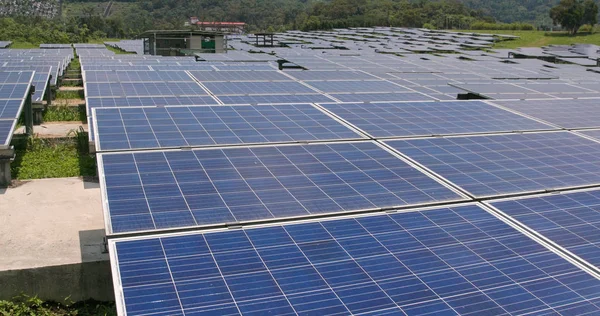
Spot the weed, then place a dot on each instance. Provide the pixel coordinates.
(64, 113)
(68, 94)
(38, 158)
(24, 305)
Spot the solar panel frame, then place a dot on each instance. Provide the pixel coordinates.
(380, 250)
(418, 196)
(495, 169)
(183, 125)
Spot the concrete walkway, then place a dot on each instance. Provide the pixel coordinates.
(51, 236)
(53, 129)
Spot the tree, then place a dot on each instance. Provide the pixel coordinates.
(572, 14)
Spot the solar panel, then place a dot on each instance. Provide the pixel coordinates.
(130, 89)
(198, 126)
(381, 97)
(136, 76)
(578, 113)
(14, 77)
(507, 164)
(571, 220)
(205, 76)
(14, 91)
(167, 189)
(444, 261)
(10, 109)
(330, 75)
(148, 101)
(259, 87)
(431, 118)
(6, 131)
(274, 99)
(592, 133)
(356, 86)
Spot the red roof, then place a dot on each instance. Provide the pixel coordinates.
(220, 23)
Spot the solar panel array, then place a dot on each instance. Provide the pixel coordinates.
(324, 177)
(14, 87)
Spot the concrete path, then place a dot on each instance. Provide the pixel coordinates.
(51, 241)
(50, 222)
(53, 129)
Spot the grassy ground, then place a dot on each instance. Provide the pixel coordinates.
(23, 45)
(64, 113)
(68, 94)
(27, 306)
(38, 158)
(540, 38)
(117, 51)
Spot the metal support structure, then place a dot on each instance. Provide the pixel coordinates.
(6, 157)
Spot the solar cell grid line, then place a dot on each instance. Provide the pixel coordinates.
(567, 113)
(120, 129)
(569, 220)
(436, 261)
(136, 76)
(594, 134)
(130, 89)
(507, 164)
(14, 91)
(405, 119)
(381, 97)
(15, 77)
(174, 189)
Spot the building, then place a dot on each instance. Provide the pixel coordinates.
(182, 42)
(226, 27)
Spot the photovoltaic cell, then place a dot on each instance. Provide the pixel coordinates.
(571, 220)
(274, 99)
(445, 261)
(258, 87)
(575, 113)
(206, 76)
(129, 89)
(14, 91)
(136, 76)
(378, 97)
(12, 77)
(139, 128)
(9, 109)
(6, 130)
(506, 164)
(356, 86)
(330, 75)
(166, 189)
(148, 101)
(431, 118)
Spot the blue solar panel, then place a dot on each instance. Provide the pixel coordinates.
(143, 89)
(11, 77)
(330, 75)
(6, 131)
(148, 101)
(356, 86)
(10, 109)
(431, 118)
(572, 220)
(512, 163)
(576, 113)
(592, 133)
(377, 97)
(13, 91)
(274, 99)
(154, 190)
(444, 261)
(138, 128)
(206, 76)
(250, 87)
(136, 76)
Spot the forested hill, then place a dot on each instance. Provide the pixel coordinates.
(533, 11)
(132, 16)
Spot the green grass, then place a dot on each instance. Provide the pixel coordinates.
(117, 51)
(64, 113)
(27, 306)
(541, 38)
(38, 158)
(74, 64)
(68, 94)
(23, 45)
